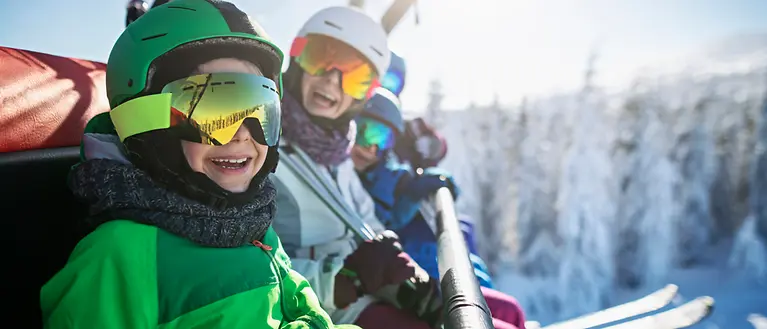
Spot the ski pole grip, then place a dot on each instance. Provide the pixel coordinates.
(464, 305)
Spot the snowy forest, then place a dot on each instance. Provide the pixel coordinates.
(580, 194)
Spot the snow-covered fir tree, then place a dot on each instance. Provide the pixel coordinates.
(586, 208)
(536, 191)
(695, 155)
(750, 249)
(434, 108)
(681, 166)
(648, 205)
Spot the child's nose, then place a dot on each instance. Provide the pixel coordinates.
(242, 135)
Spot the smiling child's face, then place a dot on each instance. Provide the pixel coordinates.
(364, 157)
(233, 165)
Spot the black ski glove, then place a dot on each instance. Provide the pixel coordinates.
(347, 289)
(422, 299)
(380, 262)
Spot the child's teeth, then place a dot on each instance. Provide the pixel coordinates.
(231, 160)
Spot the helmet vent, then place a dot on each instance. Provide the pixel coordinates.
(179, 7)
(154, 36)
(377, 51)
(267, 87)
(333, 25)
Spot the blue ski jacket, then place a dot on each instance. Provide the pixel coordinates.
(397, 192)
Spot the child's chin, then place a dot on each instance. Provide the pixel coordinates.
(238, 189)
(233, 187)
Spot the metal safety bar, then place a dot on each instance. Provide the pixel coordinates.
(465, 307)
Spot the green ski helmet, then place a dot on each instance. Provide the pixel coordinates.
(168, 43)
(184, 27)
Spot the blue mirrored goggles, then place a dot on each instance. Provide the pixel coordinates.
(373, 132)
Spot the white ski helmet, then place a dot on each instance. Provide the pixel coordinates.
(355, 28)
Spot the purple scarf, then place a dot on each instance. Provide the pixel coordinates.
(327, 147)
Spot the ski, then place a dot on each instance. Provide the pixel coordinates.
(394, 14)
(649, 303)
(532, 325)
(682, 316)
(352, 218)
(332, 198)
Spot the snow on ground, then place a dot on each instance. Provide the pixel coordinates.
(740, 302)
(736, 296)
(759, 321)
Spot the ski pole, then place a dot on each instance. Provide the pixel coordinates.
(361, 229)
(395, 13)
(306, 173)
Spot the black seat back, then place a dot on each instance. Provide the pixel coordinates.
(45, 214)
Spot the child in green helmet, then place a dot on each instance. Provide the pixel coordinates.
(176, 179)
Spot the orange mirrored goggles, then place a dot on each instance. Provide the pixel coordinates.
(319, 54)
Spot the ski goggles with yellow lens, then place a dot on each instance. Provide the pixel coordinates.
(319, 54)
(206, 108)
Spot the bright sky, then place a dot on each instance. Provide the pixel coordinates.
(476, 48)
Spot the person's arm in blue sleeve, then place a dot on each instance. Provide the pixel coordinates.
(413, 188)
(381, 181)
(421, 186)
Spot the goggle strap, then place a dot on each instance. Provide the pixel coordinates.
(373, 85)
(141, 115)
(298, 46)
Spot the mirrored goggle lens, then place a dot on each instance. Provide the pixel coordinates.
(393, 82)
(372, 132)
(208, 108)
(319, 54)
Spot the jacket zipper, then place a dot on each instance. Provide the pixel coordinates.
(266, 249)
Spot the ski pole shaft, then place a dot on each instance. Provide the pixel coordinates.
(394, 14)
(464, 305)
(357, 4)
(362, 231)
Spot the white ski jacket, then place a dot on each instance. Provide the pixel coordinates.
(317, 239)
